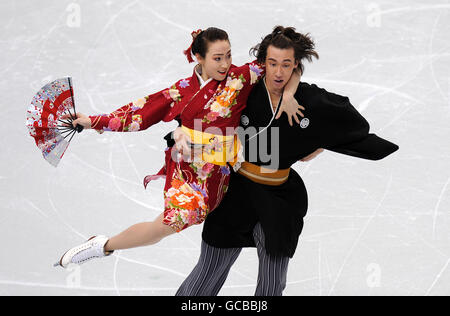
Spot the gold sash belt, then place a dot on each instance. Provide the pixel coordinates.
(263, 175)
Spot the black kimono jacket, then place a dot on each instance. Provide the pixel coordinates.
(330, 122)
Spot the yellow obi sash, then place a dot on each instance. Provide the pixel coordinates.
(215, 149)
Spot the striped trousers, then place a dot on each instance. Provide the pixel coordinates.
(214, 264)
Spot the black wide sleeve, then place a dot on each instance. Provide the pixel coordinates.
(344, 130)
(371, 147)
(169, 139)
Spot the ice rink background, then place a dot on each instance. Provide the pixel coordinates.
(373, 228)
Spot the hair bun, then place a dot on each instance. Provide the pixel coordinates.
(278, 29)
(196, 33)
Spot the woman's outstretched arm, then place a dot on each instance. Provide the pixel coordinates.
(135, 116)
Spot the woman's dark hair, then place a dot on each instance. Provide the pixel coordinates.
(201, 39)
(285, 38)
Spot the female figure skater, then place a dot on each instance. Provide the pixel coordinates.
(214, 96)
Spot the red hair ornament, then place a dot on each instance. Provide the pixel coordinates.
(188, 52)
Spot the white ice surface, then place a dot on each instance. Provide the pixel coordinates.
(373, 228)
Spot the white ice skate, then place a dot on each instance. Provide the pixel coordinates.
(93, 248)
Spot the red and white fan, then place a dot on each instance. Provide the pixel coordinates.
(52, 133)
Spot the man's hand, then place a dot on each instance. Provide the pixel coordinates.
(313, 155)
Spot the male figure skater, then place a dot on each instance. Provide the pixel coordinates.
(267, 200)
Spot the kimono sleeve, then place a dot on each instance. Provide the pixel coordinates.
(140, 114)
(251, 72)
(371, 147)
(346, 131)
(257, 71)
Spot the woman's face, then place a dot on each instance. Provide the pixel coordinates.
(217, 61)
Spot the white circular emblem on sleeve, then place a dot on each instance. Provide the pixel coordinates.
(304, 123)
(245, 120)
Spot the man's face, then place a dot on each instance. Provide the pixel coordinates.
(280, 64)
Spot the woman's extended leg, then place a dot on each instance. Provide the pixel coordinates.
(139, 235)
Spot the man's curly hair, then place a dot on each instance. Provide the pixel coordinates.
(285, 38)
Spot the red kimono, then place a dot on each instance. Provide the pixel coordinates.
(192, 189)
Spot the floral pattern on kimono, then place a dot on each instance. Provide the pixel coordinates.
(185, 201)
(221, 103)
(142, 113)
(192, 189)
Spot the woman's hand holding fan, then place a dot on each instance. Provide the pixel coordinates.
(81, 119)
